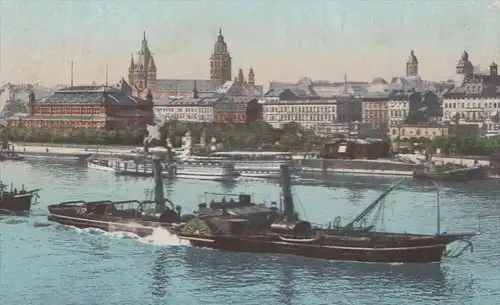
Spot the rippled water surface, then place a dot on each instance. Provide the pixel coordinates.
(57, 265)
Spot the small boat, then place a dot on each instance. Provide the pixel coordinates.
(17, 202)
(10, 155)
(450, 173)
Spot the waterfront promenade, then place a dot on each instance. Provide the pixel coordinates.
(368, 167)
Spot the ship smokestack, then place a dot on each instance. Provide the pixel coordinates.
(286, 189)
(157, 173)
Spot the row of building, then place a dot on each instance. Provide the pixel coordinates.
(471, 98)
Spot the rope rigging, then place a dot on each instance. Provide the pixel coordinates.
(454, 253)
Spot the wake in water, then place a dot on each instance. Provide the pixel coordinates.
(163, 237)
(159, 237)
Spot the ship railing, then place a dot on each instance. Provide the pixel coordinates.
(74, 203)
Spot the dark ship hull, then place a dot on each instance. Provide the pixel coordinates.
(116, 225)
(11, 158)
(462, 174)
(18, 204)
(101, 215)
(364, 248)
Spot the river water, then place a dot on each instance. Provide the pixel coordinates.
(57, 265)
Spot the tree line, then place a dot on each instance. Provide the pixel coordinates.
(467, 146)
(258, 135)
(232, 136)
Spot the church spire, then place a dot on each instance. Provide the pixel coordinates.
(241, 78)
(251, 77)
(131, 62)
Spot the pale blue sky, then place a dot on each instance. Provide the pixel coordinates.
(282, 40)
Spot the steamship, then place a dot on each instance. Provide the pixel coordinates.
(186, 170)
(251, 164)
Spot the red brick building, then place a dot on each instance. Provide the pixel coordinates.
(87, 107)
(242, 110)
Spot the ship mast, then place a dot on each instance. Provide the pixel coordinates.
(366, 211)
(438, 208)
(286, 190)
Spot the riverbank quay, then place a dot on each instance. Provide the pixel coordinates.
(68, 151)
(337, 166)
(82, 152)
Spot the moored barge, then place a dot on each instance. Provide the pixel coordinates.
(16, 202)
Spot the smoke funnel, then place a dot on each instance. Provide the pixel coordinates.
(158, 178)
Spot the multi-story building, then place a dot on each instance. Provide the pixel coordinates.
(375, 107)
(220, 109)
(476, 100)
(398, 111)
(87, 107)
(187, 110)
(242, 110)
(283, 106)
(403, 103)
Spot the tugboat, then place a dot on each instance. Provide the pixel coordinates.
(236, 232)
(16, 202)
(133, 216)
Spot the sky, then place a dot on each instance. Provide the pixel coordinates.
(283, 40)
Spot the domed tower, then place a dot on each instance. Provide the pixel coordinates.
(412, 65)
(251, 77)
(220, 62)
(142, 69)
(464, 65)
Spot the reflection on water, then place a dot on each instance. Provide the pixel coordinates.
(221, 270)
(160, 274)
(286, 289)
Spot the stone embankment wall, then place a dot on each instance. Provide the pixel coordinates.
(354, 164)
(79, 146)
(467, 162)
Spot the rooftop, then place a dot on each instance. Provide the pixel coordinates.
(205, 101)
(92, 95)
(185, 85)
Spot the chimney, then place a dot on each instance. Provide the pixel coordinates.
(286, 189)
(159, 197)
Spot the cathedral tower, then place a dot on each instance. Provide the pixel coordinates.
(220, 62)
(412, 65)
(142, 69)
